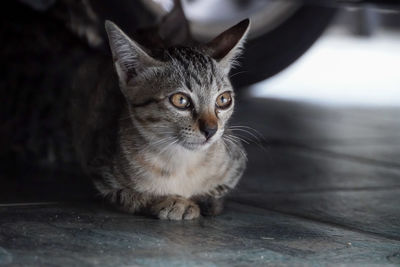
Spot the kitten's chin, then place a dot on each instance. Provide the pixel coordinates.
(196, 146)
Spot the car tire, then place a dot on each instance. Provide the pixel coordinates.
(272, 52)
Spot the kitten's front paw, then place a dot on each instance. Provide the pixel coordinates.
(176, 208)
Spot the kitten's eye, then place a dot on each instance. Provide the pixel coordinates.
(224, 100)
(180, 101)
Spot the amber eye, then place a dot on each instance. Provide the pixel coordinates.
(180, 101)
(224, 100)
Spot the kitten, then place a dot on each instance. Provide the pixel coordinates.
(159, 144)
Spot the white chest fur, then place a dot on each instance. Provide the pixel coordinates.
(187, 173)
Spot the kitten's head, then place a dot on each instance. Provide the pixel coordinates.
(183, 96)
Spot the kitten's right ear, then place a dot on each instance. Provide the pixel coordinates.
(228, 45)
(129, 57)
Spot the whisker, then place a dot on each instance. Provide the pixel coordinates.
(248, 132)
(234, 143)
(237, 73)
(260, 139)
(226, 146)
(167, 146)
(161, 141)
(240, 138)
(249, 128)
(256, 142)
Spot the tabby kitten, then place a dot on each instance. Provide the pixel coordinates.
(163, 147)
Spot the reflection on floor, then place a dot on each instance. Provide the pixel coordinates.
(322, 187)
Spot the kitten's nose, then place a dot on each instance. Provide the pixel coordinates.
(207, 128)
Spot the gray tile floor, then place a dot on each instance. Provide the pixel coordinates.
(323, 189)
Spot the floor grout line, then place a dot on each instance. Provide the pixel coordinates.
(28, 204)
(328, 190)
(323, 222)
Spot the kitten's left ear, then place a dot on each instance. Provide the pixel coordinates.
(129, 58)
(228, 45)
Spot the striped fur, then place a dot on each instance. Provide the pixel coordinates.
(145, 154)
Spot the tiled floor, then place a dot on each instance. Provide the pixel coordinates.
(322, 188)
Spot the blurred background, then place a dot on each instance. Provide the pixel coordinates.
(353, 63)
(318, 109)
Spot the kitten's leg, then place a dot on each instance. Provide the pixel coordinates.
(164, 207)
(209, 206)
(212, 203)
(129, 200)
(174, 208)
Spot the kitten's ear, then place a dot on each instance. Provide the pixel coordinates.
(129, 57)
(228, 45)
